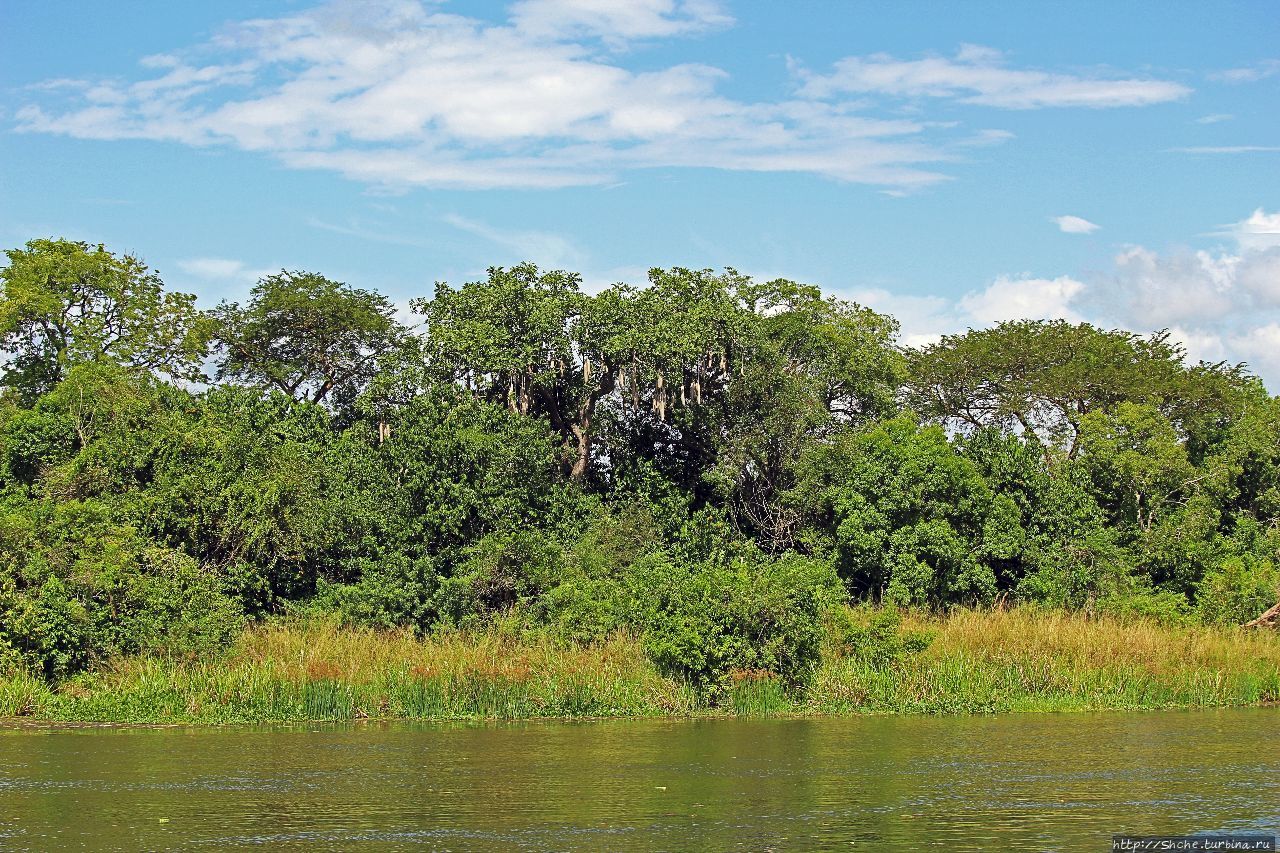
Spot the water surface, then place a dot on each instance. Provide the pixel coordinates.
(1028, 782)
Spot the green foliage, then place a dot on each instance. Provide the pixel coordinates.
(1238, 590)
(704, 621)
(904, 512)
(711, 467)
(306, 336)
(873, 637)
(87, 588)
(1157, 605)
(65, 303)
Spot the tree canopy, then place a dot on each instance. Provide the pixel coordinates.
(66, 303)
(306, 336)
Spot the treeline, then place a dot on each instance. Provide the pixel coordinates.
(711, 463)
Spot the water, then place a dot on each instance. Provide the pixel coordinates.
(1029, 782)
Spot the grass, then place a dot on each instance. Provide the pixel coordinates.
(317, 671)
(1024, 660)
(979, 662)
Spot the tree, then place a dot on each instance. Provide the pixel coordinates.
(1043, 377)
(903, 513)
(813, 365)
(65, 303)
(306, 335)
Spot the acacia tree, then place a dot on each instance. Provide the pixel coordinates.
(65, 303)
(1044, 377)
(306, 335)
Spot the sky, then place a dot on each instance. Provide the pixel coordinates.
(952, 164)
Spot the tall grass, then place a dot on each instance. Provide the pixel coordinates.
(317, 671)
(979, 661)
(1028, 660)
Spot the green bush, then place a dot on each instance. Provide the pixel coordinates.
(394, 592)
(1159, 605)
(1238, 590)
(702, 621)
(875, 638)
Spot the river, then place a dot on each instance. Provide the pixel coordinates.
(1027, 782)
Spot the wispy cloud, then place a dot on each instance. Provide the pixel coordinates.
(354, 228)
(979, 75)
(1215, 118)
(1075, 225)
(402, 93)
(1249, 73)
(221, 270)
(1226, 149)
(542, 247)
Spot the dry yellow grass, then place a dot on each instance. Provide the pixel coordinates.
(1076, 641)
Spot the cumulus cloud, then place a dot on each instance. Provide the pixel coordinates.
(403, 93)
(616, 21)
(925, 319)
(1259, 232)
(1023, 299)
(980, 75)
(1221, 304)
(1075, 225)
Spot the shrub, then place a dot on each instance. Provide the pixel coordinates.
(1238, 590)
(703, 620)
(875, 638)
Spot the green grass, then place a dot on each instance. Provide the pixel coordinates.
(979, 662)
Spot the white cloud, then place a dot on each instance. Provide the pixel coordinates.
(401, 93)
(1260, 347)
(1214, 118)
(1259, 232)
(617, 21)
(1075, 225)
(1248, 74)
(547, 250)
(221, 270)
(404, 93)
(979, 75)
(1222, 305)
(1157, 290)
(923, 319)
(1023, 299)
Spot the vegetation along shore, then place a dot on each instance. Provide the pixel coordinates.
(705, 495)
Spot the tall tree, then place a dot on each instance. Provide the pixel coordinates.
(66, 303)
(1044, 377)
(306, 335)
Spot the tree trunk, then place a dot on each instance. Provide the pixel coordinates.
(1270, 619)
(581, 430)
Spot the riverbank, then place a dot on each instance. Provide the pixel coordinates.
(975, 662)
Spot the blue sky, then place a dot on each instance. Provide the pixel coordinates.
(952, 164)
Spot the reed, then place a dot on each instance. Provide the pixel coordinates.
(1030, 660)
(978, 662)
